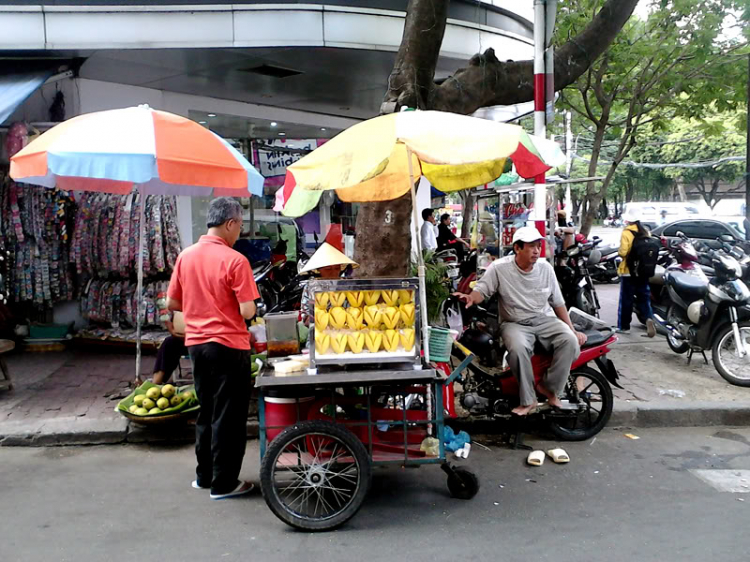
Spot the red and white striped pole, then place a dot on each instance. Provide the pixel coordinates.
(544, 18)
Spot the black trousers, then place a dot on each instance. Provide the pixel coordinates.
(168, 356)
(223, 384)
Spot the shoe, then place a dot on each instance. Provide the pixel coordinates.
(242, 488)
(650, 328)
(197, 486)
(621, 331)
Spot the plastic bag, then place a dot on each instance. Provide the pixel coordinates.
(454, 442)
(454, 319)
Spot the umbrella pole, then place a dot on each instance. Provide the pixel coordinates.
(139, 291)
(420, 262)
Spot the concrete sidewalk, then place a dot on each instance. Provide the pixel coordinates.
(69, 397)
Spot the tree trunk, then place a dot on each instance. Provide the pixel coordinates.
(468, 214)
(629, 190)
(383, 244)
(486, 81)
(587, 219)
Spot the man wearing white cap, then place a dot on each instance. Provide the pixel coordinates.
(532, 309)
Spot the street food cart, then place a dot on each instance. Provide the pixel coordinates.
(367, 399)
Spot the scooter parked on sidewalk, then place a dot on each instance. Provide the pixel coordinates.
(572, 272)
(490, 390)
(708, 314)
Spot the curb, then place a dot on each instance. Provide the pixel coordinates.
(59, 432)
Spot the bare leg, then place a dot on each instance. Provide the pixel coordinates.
(158, 377)
(552, 398)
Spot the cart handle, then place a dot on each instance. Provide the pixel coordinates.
(461, 366)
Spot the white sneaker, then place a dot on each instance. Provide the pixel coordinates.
(242, 488)
(620, 331)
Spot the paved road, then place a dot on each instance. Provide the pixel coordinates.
(619, 500)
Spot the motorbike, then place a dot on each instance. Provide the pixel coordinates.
(605, 270)
(572, 271)
(705, 313)
(490, 390)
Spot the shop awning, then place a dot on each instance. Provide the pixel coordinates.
(16, 88)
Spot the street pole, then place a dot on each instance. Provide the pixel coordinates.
(747, 157)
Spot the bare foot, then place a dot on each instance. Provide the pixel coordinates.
(552, 398)
(524, 410)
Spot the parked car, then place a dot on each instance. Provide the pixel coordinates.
(705, 230)
(650, 214)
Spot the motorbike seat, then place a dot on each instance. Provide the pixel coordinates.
(608, 250)
(689, 287)
(597, 337)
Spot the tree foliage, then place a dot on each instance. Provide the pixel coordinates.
(673, 64)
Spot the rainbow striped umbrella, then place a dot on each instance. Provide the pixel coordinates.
(115, 151)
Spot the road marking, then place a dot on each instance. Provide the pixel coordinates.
(734, 481)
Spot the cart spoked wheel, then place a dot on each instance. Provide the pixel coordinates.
(462, 484)
(315, 475)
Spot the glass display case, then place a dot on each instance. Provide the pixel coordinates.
(364, 321)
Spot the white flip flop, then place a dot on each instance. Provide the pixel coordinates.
(559, 456)
(535, 458)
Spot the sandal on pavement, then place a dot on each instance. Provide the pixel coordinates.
(535, 458)
(242, 488)
(559, 456)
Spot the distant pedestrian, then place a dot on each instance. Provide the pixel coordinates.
(428, 232)
(634, 287)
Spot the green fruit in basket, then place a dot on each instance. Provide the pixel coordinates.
(168, 390)
(163, 403)
(148, 403)
(154, 392)
(133, 408)
(176, 400)
(141, 412)
(154, 411)
(186, 394)
(138, 399)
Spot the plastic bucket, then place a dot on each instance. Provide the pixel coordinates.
(282, 412)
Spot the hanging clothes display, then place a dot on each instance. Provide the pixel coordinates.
(105, 253)
(34, 225)
(105, 243)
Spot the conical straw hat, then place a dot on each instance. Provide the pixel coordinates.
(326, 256)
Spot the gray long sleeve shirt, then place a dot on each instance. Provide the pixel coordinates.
(522, 295)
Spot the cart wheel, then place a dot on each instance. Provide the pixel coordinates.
(315, 475)
(463, 484)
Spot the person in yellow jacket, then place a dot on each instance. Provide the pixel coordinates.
(632, 289)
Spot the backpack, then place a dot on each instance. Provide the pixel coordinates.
(644, 253)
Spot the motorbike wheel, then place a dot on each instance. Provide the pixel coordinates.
(735, 370)
(589, 387)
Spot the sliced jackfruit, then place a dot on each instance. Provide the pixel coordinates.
(373, 316)
(371, 297)
(373, 340)
(356, 341)
(322, 318)
(390, 340)
(337, 298)
(391, 317)
(322, 342)
(354, 318)
(355, 298)
(338, 343)
(407, 338)
(337, 317)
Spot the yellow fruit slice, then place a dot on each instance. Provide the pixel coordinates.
(337, 317)
(407, 314)
(407, 339)
(373, 316)
(338, 343)
(322, 342)
(356, 341)
(371, 297)
(390, 340)
(354, 318)
(355, 298)
(321, 300)
(391, 316)
(322, 318)
(373, 340)
(390, 298)
(337, 298)
(405, 296)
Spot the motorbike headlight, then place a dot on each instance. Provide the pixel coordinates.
(737, 290)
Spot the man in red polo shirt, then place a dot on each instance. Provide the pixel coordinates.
(214, 287)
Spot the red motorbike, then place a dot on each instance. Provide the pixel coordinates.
(489, 390)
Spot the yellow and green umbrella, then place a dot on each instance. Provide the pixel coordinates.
(381, 158)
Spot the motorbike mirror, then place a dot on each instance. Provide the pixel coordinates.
(261, 309)
(681, 234)
(595, 257)
(727, 238)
